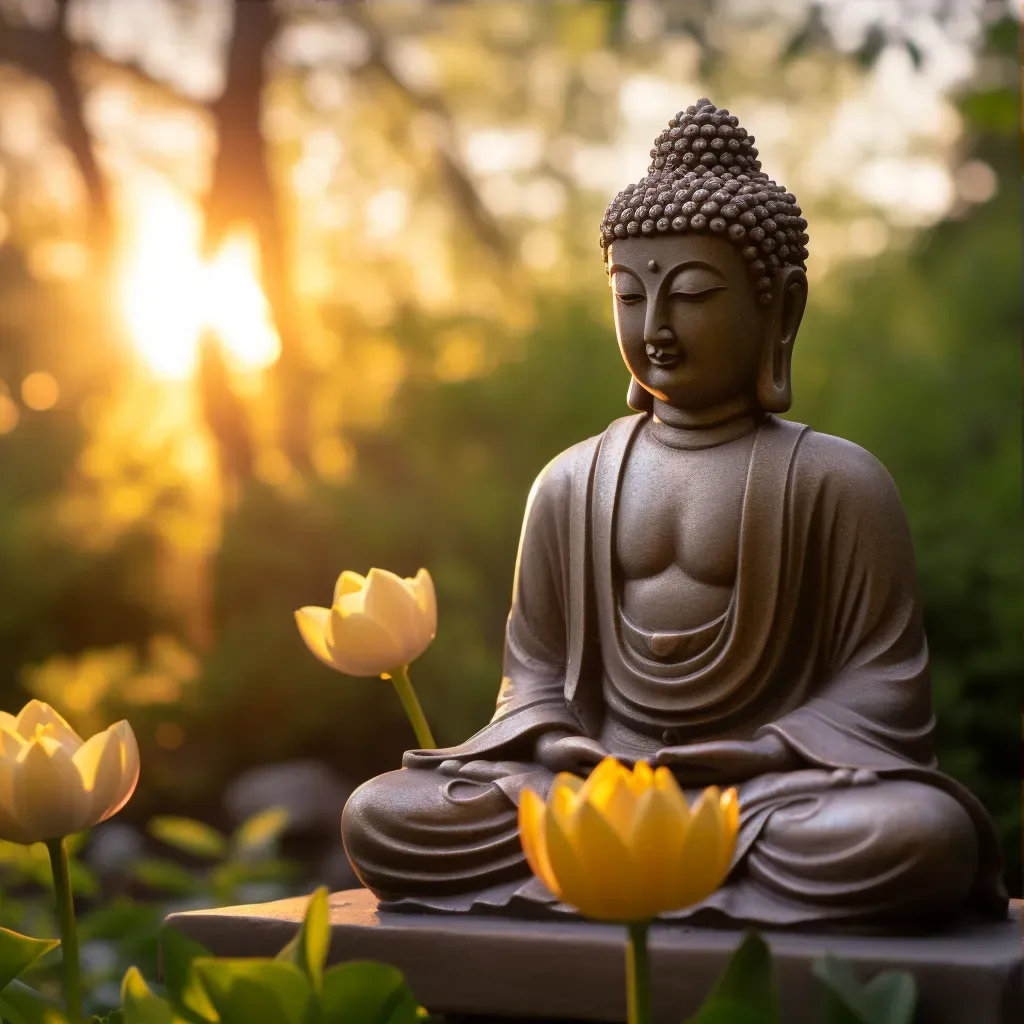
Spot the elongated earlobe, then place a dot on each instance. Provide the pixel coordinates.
(775, 381)
(637, 398)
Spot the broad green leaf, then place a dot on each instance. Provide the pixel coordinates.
(32, 863)
(189, 836)
(76, 842)
(889, 998)
(83, 879)
(745, 993)
(141, 1006)
(20, 1004)
(308, 950)
(226, 877)
(17, 952)
(119, 919)
(255, 991)
(367, 992)
(167, 876)
(186, 994)
(256, 834)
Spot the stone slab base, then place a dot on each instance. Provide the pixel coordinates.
(479, 966)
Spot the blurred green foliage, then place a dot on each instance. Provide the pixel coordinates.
(120, 914)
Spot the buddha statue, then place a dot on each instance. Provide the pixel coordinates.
(710, 587)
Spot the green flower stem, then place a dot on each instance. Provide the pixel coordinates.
(58, 851)
(638, 975)
(407, 695)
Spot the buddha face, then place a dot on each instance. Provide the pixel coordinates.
(688, 321)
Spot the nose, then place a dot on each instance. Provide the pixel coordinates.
(657, 331)
(661, 337)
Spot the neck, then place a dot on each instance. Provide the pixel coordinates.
(703, 428)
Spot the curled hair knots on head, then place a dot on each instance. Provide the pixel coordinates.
(705, 177)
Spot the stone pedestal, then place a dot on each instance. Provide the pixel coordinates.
(574, 970)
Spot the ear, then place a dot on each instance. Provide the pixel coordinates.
(774, 380)
(638, 398)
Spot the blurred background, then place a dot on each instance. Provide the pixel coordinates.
(288, 288)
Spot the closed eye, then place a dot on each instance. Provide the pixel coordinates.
(629, 298)
(698, 296)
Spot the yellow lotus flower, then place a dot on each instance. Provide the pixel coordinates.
(51, 783)
(624, 845)
(375, 624)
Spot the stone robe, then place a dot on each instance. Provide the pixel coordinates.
(822, 644)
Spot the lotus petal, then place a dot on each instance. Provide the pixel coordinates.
(422, 587)
(48, 798)
(36, 715)
(349, 582)
(569, 872)
(313, 623)
(360, 646)
(11, 829)
(392, 605)
(617, 890)
(108, 764)
(657, 844)
(702, 856)
(532, 810)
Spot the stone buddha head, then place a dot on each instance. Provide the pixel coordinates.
(706, 258)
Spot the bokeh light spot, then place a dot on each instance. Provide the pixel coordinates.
(9, 414)
(170, 735)
(333, 458)
(40, 391)
(976, 182)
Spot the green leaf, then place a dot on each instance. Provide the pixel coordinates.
(189, 836)
(114, 1017)
(367, 992)
(18, 952)
(257, 834)
(119, 920)
(75, 843)
(745, 993)
(889, 998)
(991, 110)
(915, 52)
(167, 876)
(871, 48)
(814, 33)
(226, 877)
(20, 1004)
(255, 991)
(186, 994)
(141, 1006)
(308, 950)
(83, 879)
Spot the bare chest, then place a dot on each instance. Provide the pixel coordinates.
(677, 531)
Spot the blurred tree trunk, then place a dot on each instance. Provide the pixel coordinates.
(242, 193)
(49, 52)
(71, 108)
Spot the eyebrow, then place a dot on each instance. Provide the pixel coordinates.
(685, 265)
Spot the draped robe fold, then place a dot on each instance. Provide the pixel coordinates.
(822, 644)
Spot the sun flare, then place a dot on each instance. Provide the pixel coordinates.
(170, 295)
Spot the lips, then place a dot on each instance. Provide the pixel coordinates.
(664, 356)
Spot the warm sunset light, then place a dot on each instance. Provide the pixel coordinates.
(170, 295)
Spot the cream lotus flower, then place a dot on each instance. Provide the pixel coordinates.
(53, 784)
(376, 623)
(625, 846)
